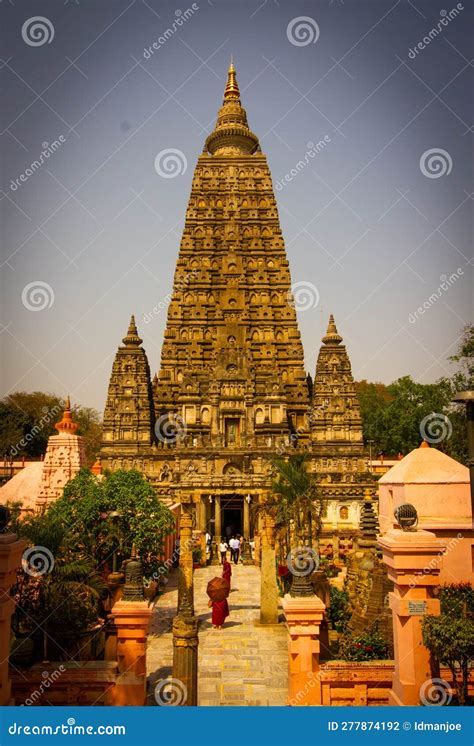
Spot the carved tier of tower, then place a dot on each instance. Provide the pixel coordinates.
(232, 359)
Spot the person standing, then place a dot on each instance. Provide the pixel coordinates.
(236, 550)
(231, 547)
(227, 571)
(223, 547)
(220, 611)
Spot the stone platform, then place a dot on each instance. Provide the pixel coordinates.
(242, 664)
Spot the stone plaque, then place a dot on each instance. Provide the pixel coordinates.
(416, 608)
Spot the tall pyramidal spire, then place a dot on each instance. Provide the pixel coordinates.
(232, 359)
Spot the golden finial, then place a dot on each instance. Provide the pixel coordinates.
(232, 88)
(66, 425)
(332, 336)
(132, 339)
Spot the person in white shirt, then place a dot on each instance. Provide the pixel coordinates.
(223, 547)
(235, 549)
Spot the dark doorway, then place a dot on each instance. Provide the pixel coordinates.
(231, 522)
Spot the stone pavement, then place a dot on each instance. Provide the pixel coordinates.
(241, 664)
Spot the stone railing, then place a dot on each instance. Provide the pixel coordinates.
(79, 683)
(355, 684)
(347, 683)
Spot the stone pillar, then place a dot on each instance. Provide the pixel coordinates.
(131, 620)
(201, 514)
(412, 558)
(218, 518)
(185, 658)
(185, 585)
(268, 586)
(303, 617)
(11, 550)
(246, 519)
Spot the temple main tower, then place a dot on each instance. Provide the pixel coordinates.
(231, 390)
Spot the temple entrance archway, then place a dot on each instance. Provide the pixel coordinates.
(231, 515)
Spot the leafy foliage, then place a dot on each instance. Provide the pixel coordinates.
(104, 517)
(338, 612)
(64, 601)
(450, 636)
(366, 647)
(294, 504)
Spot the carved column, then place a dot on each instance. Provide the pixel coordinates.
(413, 564)
(246, 519)
(185, 657)
(218, 519)
(185, 585)
(11, 550)
(268, 587)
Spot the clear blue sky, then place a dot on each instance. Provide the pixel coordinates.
(362, 222)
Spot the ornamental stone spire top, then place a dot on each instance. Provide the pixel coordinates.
(66, 425)
(231, 135)
(332, 337)
(132, 339)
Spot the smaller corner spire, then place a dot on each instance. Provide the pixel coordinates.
(132, 339)
(332, 336)
(67, 425)
(232, 87)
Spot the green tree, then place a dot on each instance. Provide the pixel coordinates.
(58, 590)
(450, 636)
(294, 503)
(105, 516)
